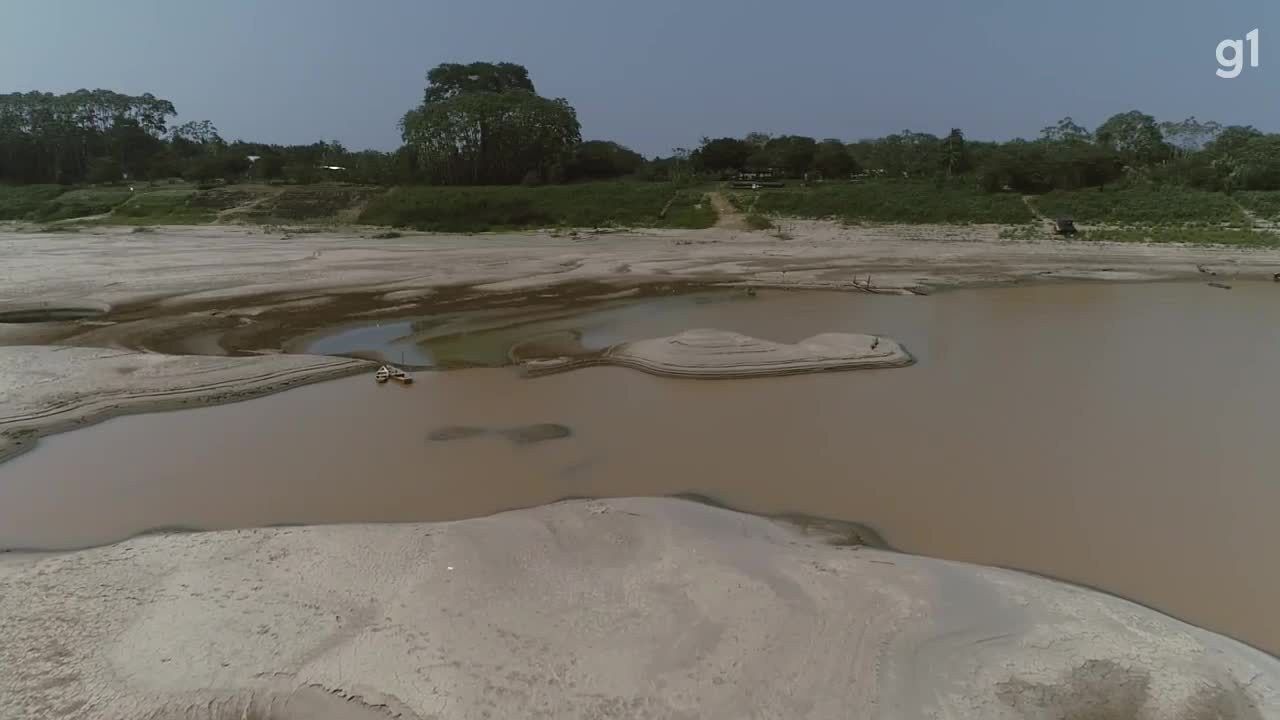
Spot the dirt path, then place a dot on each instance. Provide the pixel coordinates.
(230, 214)
(727, 216)
(1027, 200)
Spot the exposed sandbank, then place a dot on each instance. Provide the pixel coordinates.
(611, 609)
(719, 354)
(47, 389)
(620, 608)
(220, 289)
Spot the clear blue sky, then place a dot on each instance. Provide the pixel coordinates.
(659, 73)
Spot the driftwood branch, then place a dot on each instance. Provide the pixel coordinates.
(864, 285)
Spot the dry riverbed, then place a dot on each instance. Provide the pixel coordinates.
(619, 608)
(213, 289)
(624, 608)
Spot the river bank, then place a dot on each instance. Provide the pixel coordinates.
(671, 609)
(960, 455)
(216, 289)
(619, 608)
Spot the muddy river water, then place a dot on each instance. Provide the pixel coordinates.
(1120, 436)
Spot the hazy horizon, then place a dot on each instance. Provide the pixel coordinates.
(658, 75)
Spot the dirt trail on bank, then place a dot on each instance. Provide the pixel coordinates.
(727, 216)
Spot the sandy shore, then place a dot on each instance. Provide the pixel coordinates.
(719, 354)
(604, 609)
(195, 264)
(210, 289)
(624, 608)
(46, 389)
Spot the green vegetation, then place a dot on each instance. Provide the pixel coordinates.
(484, 124)
(484, 151)
(1193, 235)
(1265, 205)
(602, 204)
(311, 203)
(1141, 204)
(18, 202)
(1030, 231)
(902, 201)
(162, 207)
(82, 203)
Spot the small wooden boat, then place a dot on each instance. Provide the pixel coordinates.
(383, 374)
(401, 376)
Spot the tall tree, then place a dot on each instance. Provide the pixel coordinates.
(954, 152)
(793, 154)
(833, 160)
(485, 138)
(450, 80)
(601, 159)
(483, 124)
(1135, 136)
(1066, 130)
(1189, 135)
(723, 154)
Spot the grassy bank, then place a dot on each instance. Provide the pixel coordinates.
(605, 204)
(1141, 204)
(1265, 205)
(162, 207)
(448, 209)
(18, 202)
(1130, 214)
(893, 201)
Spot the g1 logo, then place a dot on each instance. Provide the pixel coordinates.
(1232, 66)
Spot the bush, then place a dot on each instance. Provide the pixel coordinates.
(1140, 204)
(1263, 204)
(21, 202)
(756, 221)
(905, 201)
(168, 206)
(601, 160)
(602, 204)
(83, 203)
(311, 203)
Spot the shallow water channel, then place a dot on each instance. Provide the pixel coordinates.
(1120, 436)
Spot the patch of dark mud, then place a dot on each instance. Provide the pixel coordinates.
(43, 313)
(841, 533)
(1106, 690)
(529, 434)
(454, 432)
(564, 343)
(520, 435)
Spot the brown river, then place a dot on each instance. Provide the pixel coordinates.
(1119, 436)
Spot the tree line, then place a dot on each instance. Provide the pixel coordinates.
(485, 124)
(1130, 146)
